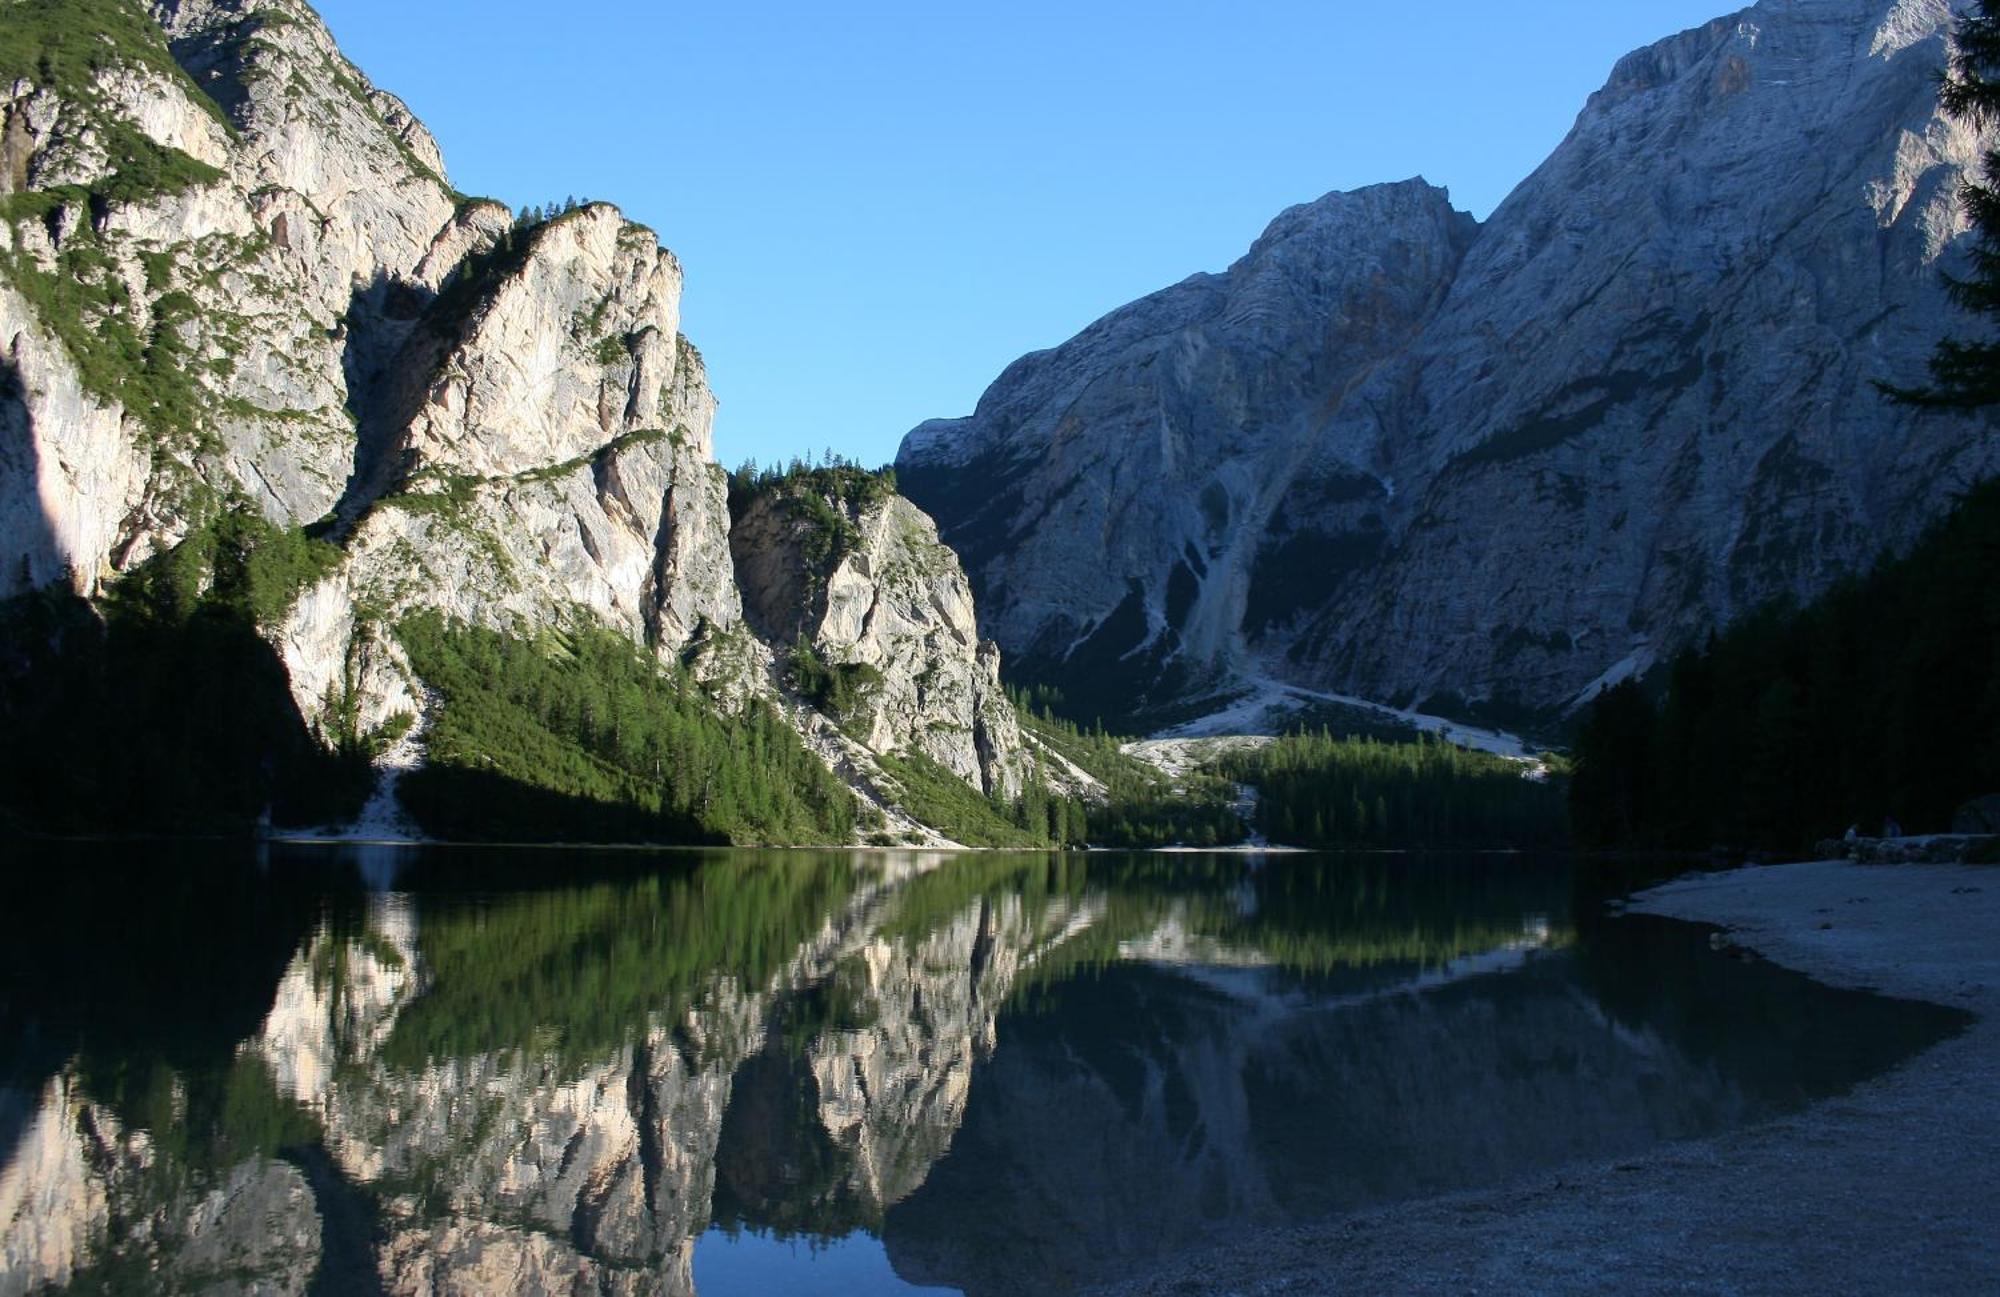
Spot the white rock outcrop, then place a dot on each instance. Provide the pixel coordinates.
(235, 278)
(896, 606)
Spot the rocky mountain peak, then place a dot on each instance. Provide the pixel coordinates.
(1487, 469)
(1310, 231)
(1185, 416)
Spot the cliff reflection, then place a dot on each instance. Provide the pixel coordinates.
(1018, 1071)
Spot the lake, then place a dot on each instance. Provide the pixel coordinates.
(364, 1069)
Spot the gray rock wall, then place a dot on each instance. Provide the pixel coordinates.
(1395, 455)
(898, 605)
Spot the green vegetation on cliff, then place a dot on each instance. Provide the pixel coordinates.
(238, 563)
(836, 688)
(1880, 698)
(578, 735)
(824, 498)
(63, 45)
(86, 303)
(928, 792)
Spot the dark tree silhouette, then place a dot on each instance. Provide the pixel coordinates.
(1966, 374)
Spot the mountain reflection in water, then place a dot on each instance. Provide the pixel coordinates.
(456, 1070)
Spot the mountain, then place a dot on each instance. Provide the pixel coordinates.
(256, 342)
(1486, 468)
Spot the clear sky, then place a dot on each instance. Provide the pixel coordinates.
(879, 205)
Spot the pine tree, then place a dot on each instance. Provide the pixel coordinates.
(1966, 375)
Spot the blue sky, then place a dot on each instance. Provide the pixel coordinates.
(880, 205)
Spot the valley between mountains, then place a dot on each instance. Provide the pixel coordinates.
(1191, 824)
(321, 478)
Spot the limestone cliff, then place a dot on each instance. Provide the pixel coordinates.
(863, 584)
(1399, 454)
(234, 279)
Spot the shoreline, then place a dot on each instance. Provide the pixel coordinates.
(309, 839)
(1892, 1187)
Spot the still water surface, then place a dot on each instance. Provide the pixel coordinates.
(337, 1070)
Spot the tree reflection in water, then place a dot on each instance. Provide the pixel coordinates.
(537, 1071)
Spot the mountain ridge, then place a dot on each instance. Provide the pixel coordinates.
(1638, 405)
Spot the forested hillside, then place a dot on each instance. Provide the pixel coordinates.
(1880, 699)
(1140, 806)
(580, 736)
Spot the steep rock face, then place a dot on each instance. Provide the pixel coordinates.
(1109, 495)
(68, 479)
(1642, 406)
(896, 605)
(216, 227)
(1672, 365)
(571, 345)
(220, 217)
(233, 278)
(543, 448)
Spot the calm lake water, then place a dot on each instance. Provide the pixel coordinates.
(358, 1070)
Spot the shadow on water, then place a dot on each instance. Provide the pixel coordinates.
(995, 1073)
(147, 954)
